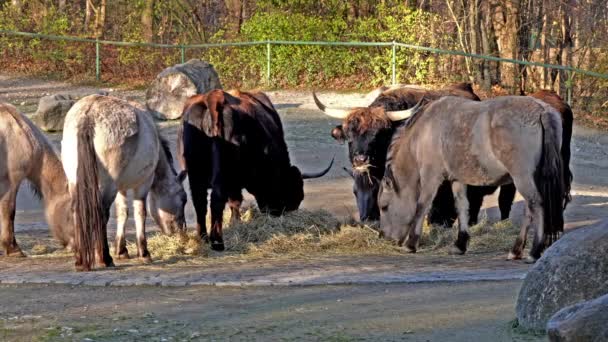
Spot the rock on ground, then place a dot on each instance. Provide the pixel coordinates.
(52, 110)
(573, 269)
(586, 321)
(167, 94)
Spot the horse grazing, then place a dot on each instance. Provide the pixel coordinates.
(231, 141)
(368, 131)
(511, 139)
(26, 154)
(110, 146)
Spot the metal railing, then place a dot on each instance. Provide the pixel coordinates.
(571, 71)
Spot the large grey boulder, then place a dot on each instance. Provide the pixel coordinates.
(168, 93)
(583, 322)
(572, 270)
(52, 110)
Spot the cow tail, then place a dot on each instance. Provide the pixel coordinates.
(86, 201)
(549, 179)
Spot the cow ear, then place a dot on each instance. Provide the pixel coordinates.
(338, 134)
(215, 103)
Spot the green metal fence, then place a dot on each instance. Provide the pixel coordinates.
(571, 71)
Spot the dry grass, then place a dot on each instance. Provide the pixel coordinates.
(303, 234)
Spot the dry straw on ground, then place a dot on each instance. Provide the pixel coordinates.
(301, 234)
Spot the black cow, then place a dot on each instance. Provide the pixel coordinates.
(234, 141)
(368, 131)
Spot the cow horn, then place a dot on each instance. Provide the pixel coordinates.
(318, 174)
(338, 113)
(404, 114)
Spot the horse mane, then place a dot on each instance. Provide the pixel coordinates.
(166, 148)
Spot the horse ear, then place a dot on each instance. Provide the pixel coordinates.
(338, 134)
(215, 103)
(182, 176)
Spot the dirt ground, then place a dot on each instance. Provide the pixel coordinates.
(420, 311)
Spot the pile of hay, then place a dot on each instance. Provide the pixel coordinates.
(165, 247)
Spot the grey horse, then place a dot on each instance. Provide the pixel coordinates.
(511, 139)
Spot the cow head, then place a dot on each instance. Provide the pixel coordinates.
(367, 132)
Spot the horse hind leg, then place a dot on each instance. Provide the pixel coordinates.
(534, 215)
(122, 214)
(462, 206)
(7, 223)
(108, 196)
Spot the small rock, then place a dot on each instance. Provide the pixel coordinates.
(133, 331)
(586, 321)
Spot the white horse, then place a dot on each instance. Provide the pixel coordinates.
(26, 154)
(110, 146)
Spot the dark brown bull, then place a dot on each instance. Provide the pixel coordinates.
(234, 141)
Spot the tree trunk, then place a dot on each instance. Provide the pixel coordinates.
(475, 33)
(147, 21)
(100, 19)
(506, 22)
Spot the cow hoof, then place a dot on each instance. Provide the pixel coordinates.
(217, 246)
(456, 251)
(513, 256)
(530, 260)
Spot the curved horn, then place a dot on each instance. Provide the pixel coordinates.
(404, 114)
(333, 112)
(318, 174)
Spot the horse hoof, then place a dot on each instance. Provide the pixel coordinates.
(16, 254)
(145, 259)
(530, 260)
(123, 256)
(408, 249)
(513, 256)
(217, 246)
(82, 268)
(456, 251)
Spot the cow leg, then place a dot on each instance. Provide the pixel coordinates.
(462, 205)
(505, 200)
(443, 212)
(7, 223)
(218, 203)
(198, 192)
(139, 212)
(475, 199)
(122, 214)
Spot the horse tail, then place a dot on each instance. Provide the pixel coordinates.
(567, 122)
(86, 200)
(549, 179)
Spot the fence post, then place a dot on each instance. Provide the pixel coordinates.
(183, 50)
(569, 87)
(268, 63)
(97, 61)
(394, 76)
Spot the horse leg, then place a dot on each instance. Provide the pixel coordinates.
(462, 205)
(107, 198)
(234, 202)
(7, 222)
(218, 202)
(428, 189)
(534, 215)
(139, 210)
(505, 200)
(122, 214)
